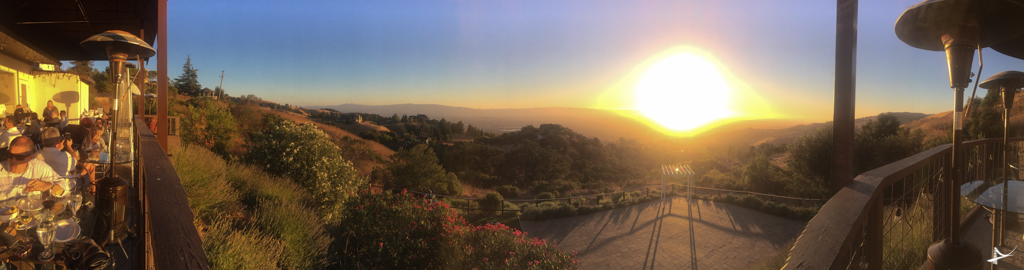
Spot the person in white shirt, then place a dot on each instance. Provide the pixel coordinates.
(8, 135)
(24, 173)
(57, 152)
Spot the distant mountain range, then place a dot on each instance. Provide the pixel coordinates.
(605, 124)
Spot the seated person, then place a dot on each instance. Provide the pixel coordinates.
(50, 112)
(86, 123)
(19, 113)
(10, 133)
(34, 127)
(94, 145)
(23, 172)
(57, 152)
(63, 120)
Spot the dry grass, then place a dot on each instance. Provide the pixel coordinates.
(471, 191)
(362, 127)
(333, 131)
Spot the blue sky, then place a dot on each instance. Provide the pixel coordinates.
(547, 53)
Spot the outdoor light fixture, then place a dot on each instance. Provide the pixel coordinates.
(958, 27)
(111, 190)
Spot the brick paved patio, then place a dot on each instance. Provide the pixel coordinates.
(664, 236)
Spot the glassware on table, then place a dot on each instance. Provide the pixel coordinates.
(75, 201)
(46, 235)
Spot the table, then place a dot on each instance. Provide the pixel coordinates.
(1001, 196)
(990, 194)
(86, 222)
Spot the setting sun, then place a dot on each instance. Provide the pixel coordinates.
(683, 91)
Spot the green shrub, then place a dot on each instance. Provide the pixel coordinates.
(616, 197)
(397, 231)
(210, 124)
(227, 248)
(508, 191)
(548, 210)
(772, 208)
(545, 195)
(491, 201)
(210, 196)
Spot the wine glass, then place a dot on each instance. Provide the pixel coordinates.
(75, 203)
(46, 235)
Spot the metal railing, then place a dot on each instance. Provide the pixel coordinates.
(887, 217)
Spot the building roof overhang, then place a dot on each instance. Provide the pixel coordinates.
(49, 31)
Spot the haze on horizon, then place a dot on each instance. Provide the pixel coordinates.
(775, 57)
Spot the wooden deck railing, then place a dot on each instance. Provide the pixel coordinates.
(886, 218)
(173, 124)
(172, 241)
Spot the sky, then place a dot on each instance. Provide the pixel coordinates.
(551, 53)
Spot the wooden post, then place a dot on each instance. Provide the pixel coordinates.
(845, 94)
(161, 105)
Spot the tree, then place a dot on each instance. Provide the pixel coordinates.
(763, 176)
(102, 79)
(188, 82)
(459, 127)
(212, 125)
(885, 125)
(395, 118)
(985, 119)
(83, 68)
(417, 169)
(811, 156)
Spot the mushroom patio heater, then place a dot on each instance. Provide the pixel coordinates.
(1007, 82)
(111, 190)
(1013, 47)
(957, 27)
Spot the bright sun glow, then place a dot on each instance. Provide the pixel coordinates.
(683, 91)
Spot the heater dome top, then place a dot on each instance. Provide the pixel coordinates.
(115, 41)
(1011, 79)
(923, 25)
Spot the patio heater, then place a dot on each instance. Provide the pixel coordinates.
(111, 190)
(957, 27)
(1007, 82)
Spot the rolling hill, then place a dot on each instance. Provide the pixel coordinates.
(608, 124)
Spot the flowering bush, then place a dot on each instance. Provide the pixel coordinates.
(399, 231)
(306, 155)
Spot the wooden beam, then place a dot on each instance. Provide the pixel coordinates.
(161, 55)
(845, 94)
